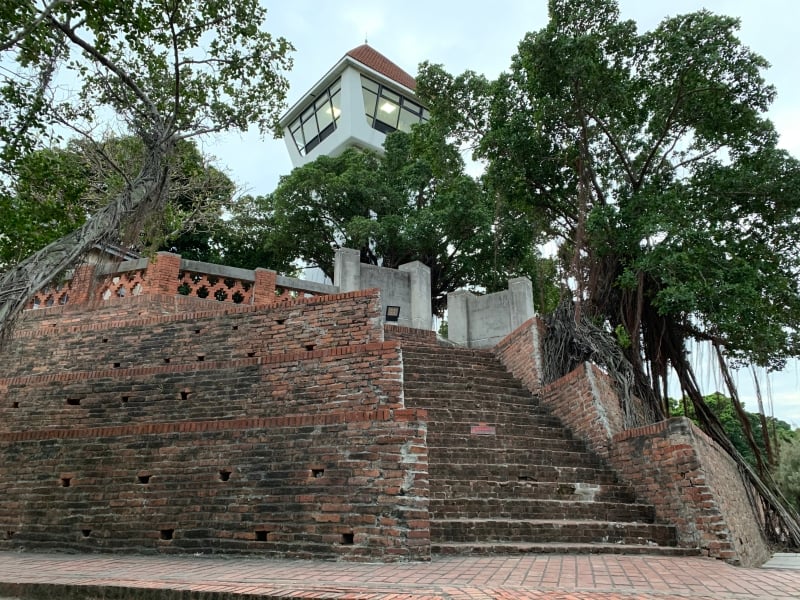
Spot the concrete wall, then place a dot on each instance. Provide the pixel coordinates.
(408, 286)
(477, 321)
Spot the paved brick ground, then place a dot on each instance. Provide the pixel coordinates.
(599, 577)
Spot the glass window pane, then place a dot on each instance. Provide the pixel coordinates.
(370, 100)
(407, 119)
(325, 116)
(335, 87)
(369, 84)
(412, 106)
(310, 131)
(336, 102)
(388, 112)
(390, 95)
(306, 114)
(426, 115)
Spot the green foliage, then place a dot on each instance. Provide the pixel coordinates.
(56, 190)
(726, 413)
(414, 203)
(647, 158)
(788, 472)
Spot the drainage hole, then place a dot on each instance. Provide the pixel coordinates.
(166, 534)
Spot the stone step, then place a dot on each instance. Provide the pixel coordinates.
(446, 472)
(530, 490)
(503, 457)
(549, 531)
(465, 389)
(482, 548)
(462, 425)
(448, 434)
(501, 441)
(532, 508)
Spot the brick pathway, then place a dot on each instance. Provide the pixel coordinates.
(598, 577)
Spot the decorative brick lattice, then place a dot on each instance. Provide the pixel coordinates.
(122, 285)
(215, 287)
(52, 295)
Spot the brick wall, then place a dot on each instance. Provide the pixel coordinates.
(693, 484)
(521, 353)
(130, 332)
(351, 486)
(690, 480)
(277, 430)
(586, 403)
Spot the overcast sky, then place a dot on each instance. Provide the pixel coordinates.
(482, 36)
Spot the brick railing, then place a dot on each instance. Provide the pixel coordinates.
(169, 274)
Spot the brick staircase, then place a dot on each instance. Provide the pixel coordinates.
(506, 476)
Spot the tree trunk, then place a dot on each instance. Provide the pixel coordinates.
(20, 283)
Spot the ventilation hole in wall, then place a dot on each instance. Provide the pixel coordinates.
(144, 479)
(74, 401)
(10, 534)
(166, 360)
(280, 321)
(197, 331)
(235, 328)
(184, 394)
(86, 532)
(261, 535)
(224, 475)
(15, 405)
(402, 492)
(523, 478)
(317, 473)
(117, 365)
(201, 357)
(104, 340)
(309, 347)
(251, 354)
(125, 399)
(66, 481)
(347, 539)
(166, 534)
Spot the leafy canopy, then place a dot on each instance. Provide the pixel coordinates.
(415, 202)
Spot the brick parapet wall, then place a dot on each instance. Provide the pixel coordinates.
(693, 484)
(586, 403)
(521, 353)
(220, 332)
(362, 377)
(409, 334)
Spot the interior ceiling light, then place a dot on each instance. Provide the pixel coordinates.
(388, 107)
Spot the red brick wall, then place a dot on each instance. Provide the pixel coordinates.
(288, 438)
(693, 484)
(521, 353)
(586, 403)
(132, 333)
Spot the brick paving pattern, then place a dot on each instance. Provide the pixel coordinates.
(554, 577)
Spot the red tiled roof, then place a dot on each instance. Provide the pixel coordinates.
(373, 59)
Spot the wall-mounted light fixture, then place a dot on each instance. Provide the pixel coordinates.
(392, 313)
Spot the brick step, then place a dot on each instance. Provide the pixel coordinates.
(582, 491)
(464, 409)
(440, 472)
(549, 531)
(447, 434)
(502, 441)
(479, 548)
(502, 457)
(461, 426)
(525, 425)
(425, 350)
(532, 508)
(465, 389)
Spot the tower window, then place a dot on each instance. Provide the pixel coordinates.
(318, 120)
(388, 111)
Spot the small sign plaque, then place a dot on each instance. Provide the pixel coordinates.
(482, 429)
